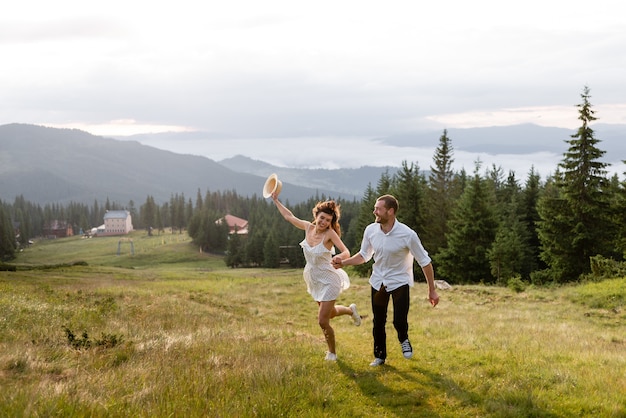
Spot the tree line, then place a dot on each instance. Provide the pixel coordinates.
(487, 226)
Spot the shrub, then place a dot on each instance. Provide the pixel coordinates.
(516, 284)
(107, 340)
(541, 277)
(7, 267)
(606, 268)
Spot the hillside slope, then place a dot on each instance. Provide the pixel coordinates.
(48, 165)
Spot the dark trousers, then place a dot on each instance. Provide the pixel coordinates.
(380, 303)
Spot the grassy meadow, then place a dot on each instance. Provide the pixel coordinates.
(167, 331)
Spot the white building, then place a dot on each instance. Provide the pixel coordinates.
(117, 222)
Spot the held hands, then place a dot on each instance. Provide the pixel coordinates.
(337, 262)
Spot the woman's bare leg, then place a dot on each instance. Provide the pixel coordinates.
(340, 310)
(327, 311)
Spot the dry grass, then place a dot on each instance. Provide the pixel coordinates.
(199, 339)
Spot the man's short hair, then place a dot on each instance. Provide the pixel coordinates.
(390, 202)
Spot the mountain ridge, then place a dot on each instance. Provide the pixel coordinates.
(51, 165)
(352, 181)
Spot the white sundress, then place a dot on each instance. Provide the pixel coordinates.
(323, 281)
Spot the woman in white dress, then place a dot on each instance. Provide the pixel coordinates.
(323, 281)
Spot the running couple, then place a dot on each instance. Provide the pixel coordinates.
(393, 246)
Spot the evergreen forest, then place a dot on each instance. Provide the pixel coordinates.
(487, 226)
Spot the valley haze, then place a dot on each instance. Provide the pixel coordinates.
(513, 148)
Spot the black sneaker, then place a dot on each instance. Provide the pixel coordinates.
(407, 350)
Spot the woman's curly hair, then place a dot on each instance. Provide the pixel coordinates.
(332, 208)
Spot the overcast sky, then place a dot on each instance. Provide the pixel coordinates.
(292, 69)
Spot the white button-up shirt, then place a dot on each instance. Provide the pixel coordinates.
(393, 254)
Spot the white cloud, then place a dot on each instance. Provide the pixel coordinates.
(330, 69)
(120, 128)
(556, 116)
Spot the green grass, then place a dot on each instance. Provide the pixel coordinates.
(173, 332)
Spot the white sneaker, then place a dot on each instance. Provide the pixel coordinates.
(355, 315)
(377, 362)
(330, 356)
(407, 350)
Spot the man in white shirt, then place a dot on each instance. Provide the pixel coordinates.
(394, 246)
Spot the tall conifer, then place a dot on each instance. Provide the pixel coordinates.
(575, 218)
(440, 196)
(472, 230)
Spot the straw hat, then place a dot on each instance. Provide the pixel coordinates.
(272, 184)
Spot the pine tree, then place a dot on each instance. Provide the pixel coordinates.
(618, 215)
(510, 249)
(234, 251)
(7, 235)
(583, 213)
(440, 196)
(148, 213)
(160, 222)
(97, 214)
(409, 188)
(554, 229)
(254, 245)
(504, 254)
(384, 184)
(358, 225)
(620, 218)
(271, 251)
(198, 200)
(530, 217)
(472, 229)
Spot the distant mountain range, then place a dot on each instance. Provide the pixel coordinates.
(346, 181)
(48, 165)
